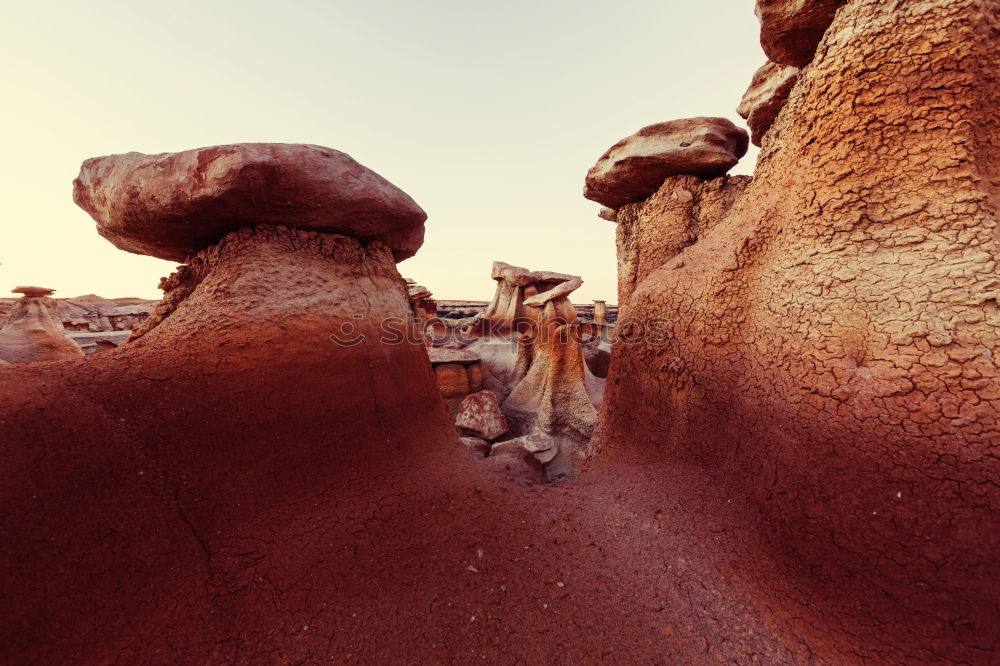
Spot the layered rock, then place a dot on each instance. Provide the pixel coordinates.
(636, 166)
(830, 342)
(33, 330)
(458, 373)
(790, 30)
(173, 205)
(94, 314)
(765, 97)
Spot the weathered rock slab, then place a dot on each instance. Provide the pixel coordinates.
(439, 356)
(173, 205)
(636, 166)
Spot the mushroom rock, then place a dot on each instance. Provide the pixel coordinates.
(162, 471)
(507, 310)
(765, 97)
(790, 30)
(173, 205)
(555, 393)
(829, 353)
(636, 166)
(34, 331)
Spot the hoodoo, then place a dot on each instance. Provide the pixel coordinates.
(636, 166)
(34, 331)
(263, 379)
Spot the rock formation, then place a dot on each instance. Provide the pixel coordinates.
(33, 330)
(636, 166)
(262, 380)
(173, 205)
(422, 304)
(801, 469)
(790, 30)
(765, 97)
(553, 391)
(94, 314)
(830, 341)
(514, 284)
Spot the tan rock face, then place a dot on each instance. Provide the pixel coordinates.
(34, 331)
(636, 166)
(173, 205)
(656, 230)
(765, 97)
(790, 30)
(831, 341)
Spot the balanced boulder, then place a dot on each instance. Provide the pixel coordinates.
(790, 30)
(515, 284)
(636, 166)
(34, 331)
(765, 97)
(173, 205)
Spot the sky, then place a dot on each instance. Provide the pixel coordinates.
(487, 114)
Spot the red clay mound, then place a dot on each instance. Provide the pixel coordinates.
(232, 487)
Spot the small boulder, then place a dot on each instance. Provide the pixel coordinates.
(480, 415)
(476, 446)
(540, 446)
(790, 30)
(636, 166)
(609, 214)
(173, 205)
(765, 97)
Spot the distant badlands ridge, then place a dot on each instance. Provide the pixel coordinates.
(97, 323)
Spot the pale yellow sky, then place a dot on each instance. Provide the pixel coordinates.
(487, 114)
